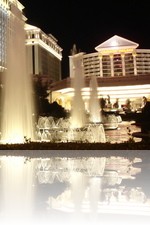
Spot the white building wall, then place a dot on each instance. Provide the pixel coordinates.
(134, 64)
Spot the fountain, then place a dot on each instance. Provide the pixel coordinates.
(78, 118)
(17, 105)
(94, 104)
(17, 120)
(18, 108)
(77, 128)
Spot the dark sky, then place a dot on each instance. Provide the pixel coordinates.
(89, 23)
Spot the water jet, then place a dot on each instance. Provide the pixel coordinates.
(17, 104)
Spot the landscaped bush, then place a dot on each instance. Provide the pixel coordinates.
(77, 146)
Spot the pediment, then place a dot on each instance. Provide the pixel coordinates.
(115, 43)
(30, 27)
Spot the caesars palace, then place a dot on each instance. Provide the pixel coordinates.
(121, 68)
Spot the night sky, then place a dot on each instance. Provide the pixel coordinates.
(89, 23)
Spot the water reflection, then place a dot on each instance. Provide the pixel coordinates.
(71, 190)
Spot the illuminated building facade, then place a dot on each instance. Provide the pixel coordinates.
(117, 57)
(3, 29)
(122, 71)
(44, 55)
(8, 10)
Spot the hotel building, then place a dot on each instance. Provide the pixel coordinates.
(121, 68)
(3, 30)
(43, 53)
(9, 9)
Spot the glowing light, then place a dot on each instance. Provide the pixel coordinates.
(115, 51)
(16, 120)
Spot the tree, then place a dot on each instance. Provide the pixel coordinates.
(43, 107)
(40, 96)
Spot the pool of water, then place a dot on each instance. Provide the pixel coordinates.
(74, 190)
(123, 132)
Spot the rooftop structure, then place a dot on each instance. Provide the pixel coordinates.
(44, 55)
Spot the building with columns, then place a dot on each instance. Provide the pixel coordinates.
(114, 57)
(44, 55)
(122, 70)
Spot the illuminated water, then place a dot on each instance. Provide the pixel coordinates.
(94, 104)
(78, 118)
(17, 106)
(78, 127)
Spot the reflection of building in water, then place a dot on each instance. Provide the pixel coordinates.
(116, 200)
(75, 190)
(112, 169)
(94, 184)
(124, 194)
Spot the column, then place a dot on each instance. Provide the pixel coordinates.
(112, 64)
(101, 65)
(123, 64)
(134, 63)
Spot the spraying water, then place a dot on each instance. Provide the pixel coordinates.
(94, 105)
(17, 104)
(78, 127)
(78, 108)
